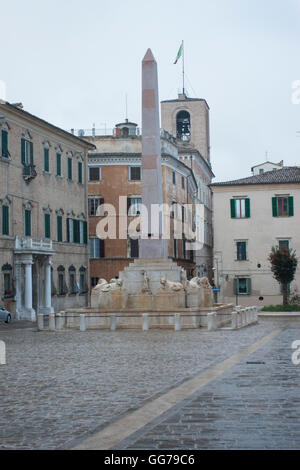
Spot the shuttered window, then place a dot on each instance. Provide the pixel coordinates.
(59, 228)
(5, 220)
(283, 206)
(240, 208)
(80, 172)
(242, 285)
(47, 226)
(97, 248)
(4, 143)
(46, 160)
(26, 152)
(58, 164)
(241, 251)
(70, 168)
(135, 173)
(27, 222)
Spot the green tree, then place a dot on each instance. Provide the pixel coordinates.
(283, 266)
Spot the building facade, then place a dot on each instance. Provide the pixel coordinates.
(43, 215)
(115, 171)
(250, 216)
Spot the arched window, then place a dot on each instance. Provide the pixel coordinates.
(8, 290)
(72, 280)
(183, 126)
(82, 280)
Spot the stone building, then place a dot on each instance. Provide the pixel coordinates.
(43, 215)
(188, 120)
(114, 171)
(250, 216)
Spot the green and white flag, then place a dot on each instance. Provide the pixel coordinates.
(179, 53)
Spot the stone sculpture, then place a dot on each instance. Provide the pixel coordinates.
(170, 285)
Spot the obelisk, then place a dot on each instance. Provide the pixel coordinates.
(152, 245)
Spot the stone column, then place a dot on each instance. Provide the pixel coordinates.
(48, 305)
(28, 289)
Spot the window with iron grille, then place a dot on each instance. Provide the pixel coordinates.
(135, 173)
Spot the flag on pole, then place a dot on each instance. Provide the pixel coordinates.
(179, 53)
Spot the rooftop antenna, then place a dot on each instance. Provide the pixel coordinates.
(126, 108)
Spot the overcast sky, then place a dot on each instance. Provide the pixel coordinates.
(72, 62)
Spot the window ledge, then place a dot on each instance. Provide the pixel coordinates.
(5, 159)
(46, 173)
(60, 177)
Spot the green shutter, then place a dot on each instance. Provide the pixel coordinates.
(46, 160)
(4, 144)
(47, 226)
(5, 220)
(27, 223)
(247, 207)
(59, 228)
(80, 172)
(23, 151)
(69, 168)
(68, 230)
(249, 285)
(85, 238)
(274, 206)
(291, 206)
(58, 164)
(76, 231)
(232, 208)
(235, 286)
(31, 153)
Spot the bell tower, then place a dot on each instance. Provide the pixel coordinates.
(187, 119)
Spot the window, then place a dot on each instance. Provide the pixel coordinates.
(242, 285)
(27, 223)
(175, 248)
(59, 228)
(4, 144)
(182, 182)
(5, 220)
(174, 177)
(183, 126)
(284, 244)
(134, 205)
(240, 208)
(26, 152)
(8, 290)
(134, 247)
(94, 173)
(58, 164)
(241, 251)
(135, 173)
(96, 248)
(62, 288)
(72, 280)
(82, 280)
(94, 203)
(283, 206)
(47, 225)
(261, 171)
(70, 176)
(80, 172)
(46, 160)
(94, 281)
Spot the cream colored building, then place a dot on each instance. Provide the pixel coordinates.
(266, 166)
(250, 216)
(43, 215)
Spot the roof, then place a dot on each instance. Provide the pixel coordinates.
(42, 121)
(286, 175)
(271, 163)
(182, 100)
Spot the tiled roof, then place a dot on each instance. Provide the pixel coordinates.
(288, 174)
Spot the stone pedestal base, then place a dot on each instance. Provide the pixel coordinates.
(113, 299)
(165, 299)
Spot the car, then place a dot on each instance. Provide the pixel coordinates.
(5, 315)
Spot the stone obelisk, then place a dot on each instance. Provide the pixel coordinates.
(152, 245)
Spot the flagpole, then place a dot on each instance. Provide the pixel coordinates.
(182, 67)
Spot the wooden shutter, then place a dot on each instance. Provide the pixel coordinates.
(68, 230)
(47, 226)
(46, 160)
(5, 220)
(23, 151)
(291, 206)
(249, 285)
(232, 208)
(274, 206)
(59, 228)
(27, 223)
(31, 153)
(69, 168)
(102, 248)
(4, 145)
(247, 207)
(79, 172)
(85, 237)
(58, 164)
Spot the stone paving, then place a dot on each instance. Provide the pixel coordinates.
(58, 387)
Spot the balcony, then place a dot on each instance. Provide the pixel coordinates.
(29, 173)
(30, 245)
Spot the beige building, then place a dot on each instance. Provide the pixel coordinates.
(266, 166)
(250, 216)
(43, 215)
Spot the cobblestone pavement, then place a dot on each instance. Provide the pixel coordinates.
(58, 387)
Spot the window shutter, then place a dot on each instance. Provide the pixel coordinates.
(85, 238)
(27, 223)
(69, 168)
(46, 160)
(235, 286)
(80, 172)
(23, 151)
(58, 164)
(5, 220)
(232, 208)
(291, 206)
(59, 228)
(274, 206)
(31, 152)
(4, 145)
(47, 226)
(68, 230)
(249, 285)
(247, 207)
(102, 248)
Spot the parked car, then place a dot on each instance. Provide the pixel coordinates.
(5, 315)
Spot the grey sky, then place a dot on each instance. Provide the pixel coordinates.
(72, 62)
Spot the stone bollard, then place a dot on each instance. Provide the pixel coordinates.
(113, 323)
(63, 319)
(145, 326)
(58, 321)
(82, 323)
(242, 317)
(40, 321)
(256, 314)
(177, 322)
(211, 321)
(234, 320)
(52, 321)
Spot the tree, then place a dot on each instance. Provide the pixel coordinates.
(283, 266)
